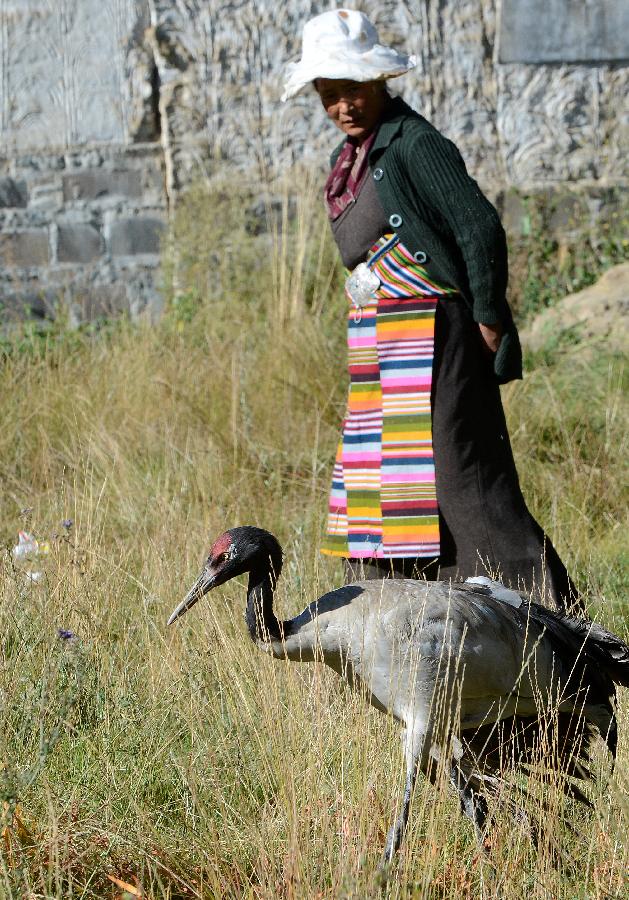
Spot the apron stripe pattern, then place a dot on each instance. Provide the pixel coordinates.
(383, 500)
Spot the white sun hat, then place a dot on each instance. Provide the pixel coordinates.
(343, 43)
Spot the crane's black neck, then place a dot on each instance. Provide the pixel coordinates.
(261, 621)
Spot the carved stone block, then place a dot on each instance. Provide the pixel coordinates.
(97, 183)
(78, 243)
(92, 301)
(12, 193)
(34, 301)
(65, 70)
(129, 237)
(46, 194)
(568, 31)
(24, 248)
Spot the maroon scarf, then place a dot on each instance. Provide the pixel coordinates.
(347, 175)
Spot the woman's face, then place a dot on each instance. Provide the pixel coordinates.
(354, 106)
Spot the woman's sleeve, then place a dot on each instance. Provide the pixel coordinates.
(439, 176)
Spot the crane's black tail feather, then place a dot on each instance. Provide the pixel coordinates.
(603, 648)
(563, 744)
(591, 661)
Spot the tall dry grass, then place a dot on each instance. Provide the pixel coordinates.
(183, 761)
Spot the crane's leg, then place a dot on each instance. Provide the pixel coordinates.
(413, 745)
(473, 804)
(396, 831)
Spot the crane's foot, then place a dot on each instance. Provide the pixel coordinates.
(394, 839)
(473, 804)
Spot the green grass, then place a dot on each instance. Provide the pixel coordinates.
(548, 260)
(182, 759)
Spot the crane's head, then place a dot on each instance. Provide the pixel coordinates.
(239, 550)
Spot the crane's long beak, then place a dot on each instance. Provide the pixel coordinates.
(204, 583)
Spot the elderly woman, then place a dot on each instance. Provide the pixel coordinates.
(424, 481)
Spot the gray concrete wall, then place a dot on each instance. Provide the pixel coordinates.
(109, 108)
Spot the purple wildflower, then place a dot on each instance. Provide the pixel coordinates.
(65, 635)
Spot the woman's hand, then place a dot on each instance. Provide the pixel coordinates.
(491, 335)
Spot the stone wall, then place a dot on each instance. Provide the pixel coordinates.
(518, 123)
(82, 187)
(81, 230)
(109, 108)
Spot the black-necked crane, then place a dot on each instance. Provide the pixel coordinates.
(474, 672)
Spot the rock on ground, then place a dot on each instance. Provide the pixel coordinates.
(600, 312)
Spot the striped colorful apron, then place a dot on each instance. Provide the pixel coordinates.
(383, 501)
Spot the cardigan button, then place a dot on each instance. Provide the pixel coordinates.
(378, 174)
(395, 220)
(420, 257)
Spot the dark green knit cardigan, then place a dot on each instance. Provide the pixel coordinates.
(446, 222)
